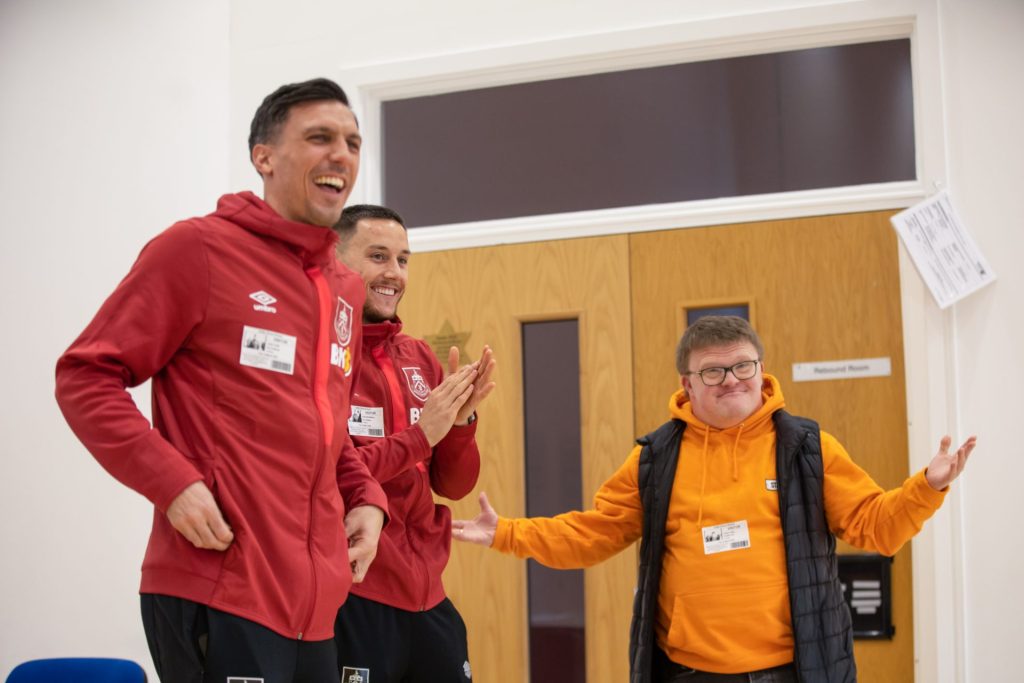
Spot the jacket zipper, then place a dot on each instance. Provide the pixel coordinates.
(323, 411)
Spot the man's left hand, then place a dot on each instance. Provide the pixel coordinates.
(946, 466)
(482, 386)
(362, 526)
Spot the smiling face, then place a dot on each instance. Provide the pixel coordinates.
(378, 249)
(312, 162)
(732, 401)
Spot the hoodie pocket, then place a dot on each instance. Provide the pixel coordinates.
(720, 625)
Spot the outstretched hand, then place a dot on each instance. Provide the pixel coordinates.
(946, 466)
(479, 530)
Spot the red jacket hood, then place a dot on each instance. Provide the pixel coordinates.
(313, 243)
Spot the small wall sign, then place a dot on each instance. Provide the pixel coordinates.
(842, 369)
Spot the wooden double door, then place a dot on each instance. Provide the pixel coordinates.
(817, 289)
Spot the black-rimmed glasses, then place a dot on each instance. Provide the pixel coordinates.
(712, 377)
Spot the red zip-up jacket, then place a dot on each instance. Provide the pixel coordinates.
(246, 324)
(396, 374)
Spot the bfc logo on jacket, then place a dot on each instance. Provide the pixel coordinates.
(341, 354)
(343, 322)
(417, 383)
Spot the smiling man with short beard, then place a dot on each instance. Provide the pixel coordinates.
(415, 430)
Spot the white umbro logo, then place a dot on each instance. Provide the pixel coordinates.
(263, 302)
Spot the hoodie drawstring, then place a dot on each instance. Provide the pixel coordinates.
(704, 468)
(735, 446)
(703, 476)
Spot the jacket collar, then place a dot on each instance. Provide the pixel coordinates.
(314, 244)
(375, 334)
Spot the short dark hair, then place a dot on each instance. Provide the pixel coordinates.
(273, 111)
(714, 330)
(346, 225)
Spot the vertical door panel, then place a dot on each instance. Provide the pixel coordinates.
(487, 293)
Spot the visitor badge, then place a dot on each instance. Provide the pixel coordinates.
(366, 422)
(268, 350)
(725, 537)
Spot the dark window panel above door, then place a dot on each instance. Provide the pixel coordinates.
(798, 120)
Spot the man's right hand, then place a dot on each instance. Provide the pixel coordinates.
(443, 404)
(194, 513)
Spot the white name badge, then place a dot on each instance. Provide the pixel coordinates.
(366, 422)
(268, 350)
(725, 537)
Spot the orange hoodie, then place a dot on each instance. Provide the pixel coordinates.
(725, 612)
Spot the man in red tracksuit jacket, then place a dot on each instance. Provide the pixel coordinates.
(246, 323)
(415, 430)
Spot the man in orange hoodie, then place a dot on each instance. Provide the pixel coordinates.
(737, 504)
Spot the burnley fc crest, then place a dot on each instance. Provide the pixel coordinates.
(343, 322)
(417, 383)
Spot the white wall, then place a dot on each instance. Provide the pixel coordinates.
(119, 117)
(967, 560)
(983, 56)
(113, 123)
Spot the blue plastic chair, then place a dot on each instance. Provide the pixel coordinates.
(78, 670)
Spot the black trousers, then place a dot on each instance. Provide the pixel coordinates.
(383, 644)
(193, 643)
